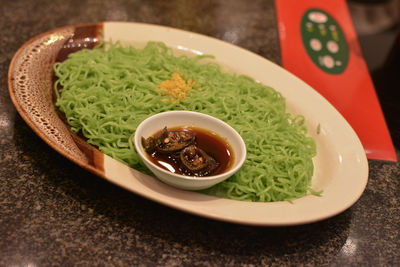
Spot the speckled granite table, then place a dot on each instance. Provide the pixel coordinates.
(54, 213)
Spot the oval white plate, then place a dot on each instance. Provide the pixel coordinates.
(341, 167)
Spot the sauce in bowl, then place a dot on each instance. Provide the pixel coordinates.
(189, 151)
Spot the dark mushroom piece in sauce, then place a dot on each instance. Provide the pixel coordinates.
(168, 141)
(197, 161)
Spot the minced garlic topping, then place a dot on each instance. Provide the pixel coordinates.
(176, 87)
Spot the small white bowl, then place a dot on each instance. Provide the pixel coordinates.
(190, 119)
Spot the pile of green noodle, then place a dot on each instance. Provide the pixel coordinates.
(107, 91)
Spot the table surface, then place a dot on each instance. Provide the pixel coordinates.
(54, 213)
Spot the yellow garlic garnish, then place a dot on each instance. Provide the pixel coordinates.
(176, 87)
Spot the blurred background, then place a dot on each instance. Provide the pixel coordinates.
(377, 26)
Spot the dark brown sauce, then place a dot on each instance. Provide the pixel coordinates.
(214, 145)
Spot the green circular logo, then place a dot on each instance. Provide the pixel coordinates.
(324, 41)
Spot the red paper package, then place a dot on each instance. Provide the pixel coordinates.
(320, 46)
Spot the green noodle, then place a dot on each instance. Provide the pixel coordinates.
(107, 91)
